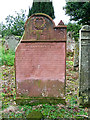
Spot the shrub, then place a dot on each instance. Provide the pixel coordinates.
(6, 57)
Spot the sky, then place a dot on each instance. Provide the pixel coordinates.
(8, 7)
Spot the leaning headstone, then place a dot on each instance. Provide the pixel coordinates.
(40, 60)
(84, 66)
(76, 55)
(12, 41)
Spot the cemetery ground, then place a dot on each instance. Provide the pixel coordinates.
(11, 110)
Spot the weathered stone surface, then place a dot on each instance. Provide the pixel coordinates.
(84, 64)
(42, 28)
(12, 41)
(40, 59)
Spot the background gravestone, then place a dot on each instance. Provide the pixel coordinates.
(84, 65)
(76, 55)
(70, 42)
(40, 59)
(12, 41)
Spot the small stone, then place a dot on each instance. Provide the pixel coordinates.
(10, 109)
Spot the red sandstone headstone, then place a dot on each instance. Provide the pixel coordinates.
(40, 59)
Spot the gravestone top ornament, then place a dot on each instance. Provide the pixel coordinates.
(40, 59)
(42, 28)
(85, 28)
(39, 23)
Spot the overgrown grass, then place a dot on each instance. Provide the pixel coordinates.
(6, 56)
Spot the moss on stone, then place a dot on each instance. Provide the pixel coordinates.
(37, 101)
(35, 115)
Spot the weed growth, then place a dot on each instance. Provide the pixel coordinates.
(6, 57)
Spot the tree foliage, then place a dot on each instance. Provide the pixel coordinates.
(13, 25)
(2, 29)
(74, 28)
(78, 11)
(42, 7)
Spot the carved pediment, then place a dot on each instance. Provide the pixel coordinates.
(41, 27)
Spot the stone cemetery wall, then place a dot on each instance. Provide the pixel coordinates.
(70, 42)
(40, 59)
(12, 41)
(84, 65)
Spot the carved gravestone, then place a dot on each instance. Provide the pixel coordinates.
(40, 59)
(84, 65)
